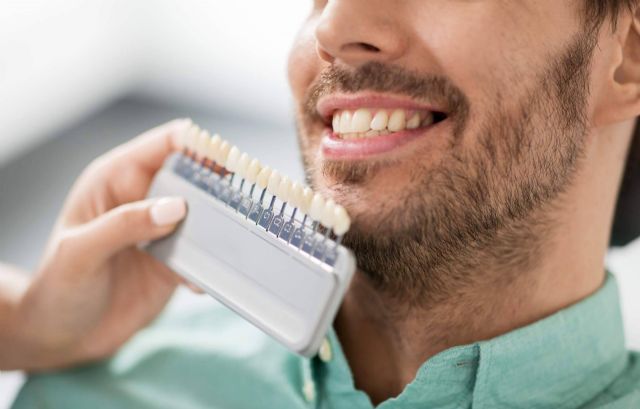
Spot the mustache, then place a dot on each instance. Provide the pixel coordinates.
(379, 77)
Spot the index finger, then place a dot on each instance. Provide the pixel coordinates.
(149, 150)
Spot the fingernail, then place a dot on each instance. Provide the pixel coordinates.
(169, 210)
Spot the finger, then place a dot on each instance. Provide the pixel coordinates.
(149, 150)
(129, 224)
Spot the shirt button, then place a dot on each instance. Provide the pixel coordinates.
(309, 390)
(325, 352)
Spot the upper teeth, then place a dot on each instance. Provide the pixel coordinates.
(366, 122)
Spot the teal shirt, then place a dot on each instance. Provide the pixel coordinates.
(575, 358)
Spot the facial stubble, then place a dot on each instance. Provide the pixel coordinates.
(481, 217)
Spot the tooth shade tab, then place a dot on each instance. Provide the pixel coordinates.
(243, 165)
(253, 170)
(296, 194)
(317, 207)
(213, 148)
(307, 197)
(341, 221)
(284, 189)
(232, 159)
(202, 143)
(223, 153)
(274, 182)
(328, 214)
(263, 177)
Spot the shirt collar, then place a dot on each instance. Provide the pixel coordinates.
(561, 361)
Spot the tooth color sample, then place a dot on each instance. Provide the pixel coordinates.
(243, 165)
(263, 177)
(341, 221)
(317, 206)
(253, 170)
(223, 152)
(328, 213)
(232, 159)
(274, 182)
(296, 194)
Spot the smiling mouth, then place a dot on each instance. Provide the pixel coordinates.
(359, 126)
(372, 122)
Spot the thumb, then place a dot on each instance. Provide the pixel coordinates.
(131, 223)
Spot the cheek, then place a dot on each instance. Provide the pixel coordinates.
(493, 51)
(303, 64)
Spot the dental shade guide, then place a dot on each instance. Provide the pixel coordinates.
(264, 246)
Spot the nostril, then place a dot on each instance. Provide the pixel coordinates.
(359, 47)
(369, 47)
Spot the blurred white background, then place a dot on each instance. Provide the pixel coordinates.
(78, 77)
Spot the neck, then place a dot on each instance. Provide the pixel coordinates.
(402, 338)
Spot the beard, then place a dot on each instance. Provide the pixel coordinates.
(480, 215)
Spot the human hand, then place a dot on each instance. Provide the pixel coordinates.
(94, 288)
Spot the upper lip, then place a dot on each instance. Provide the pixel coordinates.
(327, 105)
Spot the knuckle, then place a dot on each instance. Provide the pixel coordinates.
(132, 217)
(67, 244)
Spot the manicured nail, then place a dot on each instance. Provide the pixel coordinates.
(169, 210)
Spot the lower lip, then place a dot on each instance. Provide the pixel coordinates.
(334, 147)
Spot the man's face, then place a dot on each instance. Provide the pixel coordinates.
(457, 123)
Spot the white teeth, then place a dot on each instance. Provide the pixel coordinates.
(397, 121)
(317, 207)
(428, 120)
(345, 122)
(232, 159)
(380, 121)
(262, 180)
(223, 152)
(414, 121)
(362, 124)
(243, 165)
(253, 170)
(213, 147)
(328, 213)
(361, 120)
(284, 189)
(274, 182)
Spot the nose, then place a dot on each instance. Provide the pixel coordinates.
(359, 31)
